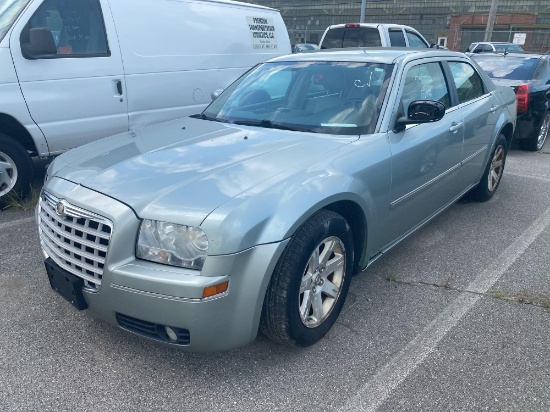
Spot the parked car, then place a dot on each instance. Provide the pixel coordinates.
(493, 47)
(304, 47)
(371, 35)
(529, 76)
(74, 71)
(258, 211)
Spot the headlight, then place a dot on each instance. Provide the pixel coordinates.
(172, 244)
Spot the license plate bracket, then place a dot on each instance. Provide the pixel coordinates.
(66, 284)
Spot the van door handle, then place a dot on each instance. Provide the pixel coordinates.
(119, 87)
(455, 126)
(494, 108)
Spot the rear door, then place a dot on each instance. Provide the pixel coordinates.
(75, 94)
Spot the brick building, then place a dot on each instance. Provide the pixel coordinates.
(455, 24)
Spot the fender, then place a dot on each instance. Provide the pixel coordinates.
(272, 211)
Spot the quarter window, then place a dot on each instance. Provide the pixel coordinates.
(468, 83)
(65, 28)
(425, 82)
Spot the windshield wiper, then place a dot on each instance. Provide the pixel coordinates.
(202, 116)
(272, 125)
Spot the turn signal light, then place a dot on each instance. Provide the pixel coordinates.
(215, 289)
(522, 96)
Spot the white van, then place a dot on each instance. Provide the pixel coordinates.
(73, 71)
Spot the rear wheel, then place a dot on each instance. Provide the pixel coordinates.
(310, 282)
(536, 142)
(492, 176)
(15, 168)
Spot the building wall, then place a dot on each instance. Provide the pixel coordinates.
(306, 20)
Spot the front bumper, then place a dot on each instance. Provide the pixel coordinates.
(170, 296)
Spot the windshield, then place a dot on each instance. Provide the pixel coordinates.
(321, 97)
(508, 67)
(9, 11)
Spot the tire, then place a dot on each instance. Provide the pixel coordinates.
(16, 168)
(304, 298)
(492, 176)
(536, 142)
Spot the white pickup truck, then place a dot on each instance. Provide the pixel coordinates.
(371, 35)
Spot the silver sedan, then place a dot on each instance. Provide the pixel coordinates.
(256, 213)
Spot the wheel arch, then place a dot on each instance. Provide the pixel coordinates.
(508, 132)
(11, 127)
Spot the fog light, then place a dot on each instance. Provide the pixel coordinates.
(215, 289)
(171, 334)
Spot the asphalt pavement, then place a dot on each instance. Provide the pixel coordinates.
(455, 318)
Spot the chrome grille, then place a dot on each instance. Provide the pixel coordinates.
(74, 238)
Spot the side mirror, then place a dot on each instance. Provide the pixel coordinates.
(41, 44)
(215, 94)
(421, 111)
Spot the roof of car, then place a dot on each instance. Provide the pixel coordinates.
(517, 55)
(387, 55)
(492, 42)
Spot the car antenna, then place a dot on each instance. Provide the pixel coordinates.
(505, 53)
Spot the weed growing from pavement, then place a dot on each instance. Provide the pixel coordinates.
(26, 203)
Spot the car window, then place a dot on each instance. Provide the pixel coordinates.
(468, 83)
(76, 26)
(415, 40)
(508, 67)
(397, 39)
(425, 82)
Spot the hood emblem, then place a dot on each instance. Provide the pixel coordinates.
(60, 209)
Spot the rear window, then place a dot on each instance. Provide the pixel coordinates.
(351, 37)
(508, 68)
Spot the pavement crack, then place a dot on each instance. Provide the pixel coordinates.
(524, 298)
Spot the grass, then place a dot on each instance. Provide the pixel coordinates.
(26, 203)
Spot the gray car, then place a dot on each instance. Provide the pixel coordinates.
(256, 213)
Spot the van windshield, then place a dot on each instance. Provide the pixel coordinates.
(9, 11)
(321, 97)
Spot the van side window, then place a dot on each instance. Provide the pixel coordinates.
(65, 28)
(468, 83)
(396, 38)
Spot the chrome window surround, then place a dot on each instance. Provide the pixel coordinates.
(74, 238)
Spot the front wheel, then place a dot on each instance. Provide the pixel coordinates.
(310, 282)
(492, 176)
(15, 168)
(536, 142)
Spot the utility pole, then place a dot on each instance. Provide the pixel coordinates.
(491, 20)
(363, 8)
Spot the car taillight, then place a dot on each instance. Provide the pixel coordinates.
(522, 96)
(352, 25)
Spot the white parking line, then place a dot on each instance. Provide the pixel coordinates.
(377, 390)
(544, 179)
(16, 222)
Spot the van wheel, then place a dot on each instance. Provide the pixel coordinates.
(536, 142)
(15, 168)
(310, 282)
(492, 176)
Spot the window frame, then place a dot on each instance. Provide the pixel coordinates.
(26, 32)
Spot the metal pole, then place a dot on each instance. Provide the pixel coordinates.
(363, 8)
(491, 20)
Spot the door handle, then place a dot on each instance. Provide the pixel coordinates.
(494, 108)
(119, 87)
(455, 126)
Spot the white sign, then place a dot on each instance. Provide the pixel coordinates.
(262, 32)
(519, 38)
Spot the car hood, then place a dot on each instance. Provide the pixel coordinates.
(180, 171)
